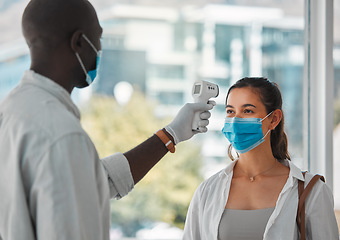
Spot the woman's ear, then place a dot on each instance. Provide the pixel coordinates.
(77, 41)
(276, 119)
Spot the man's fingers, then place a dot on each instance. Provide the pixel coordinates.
(205, 115)
(203, 123)
(212, 102)
(202, 107)
(203, 129)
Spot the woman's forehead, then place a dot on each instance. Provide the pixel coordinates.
(245, 95)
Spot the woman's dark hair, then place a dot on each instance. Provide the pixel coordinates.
(270, 96)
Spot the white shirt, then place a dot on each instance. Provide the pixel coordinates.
(52, 183)
(209, 201)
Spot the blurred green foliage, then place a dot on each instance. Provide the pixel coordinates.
(165, 193)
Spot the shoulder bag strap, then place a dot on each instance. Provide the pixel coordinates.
(303, 193)
(300, 218)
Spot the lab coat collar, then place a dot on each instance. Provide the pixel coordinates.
(31, 77)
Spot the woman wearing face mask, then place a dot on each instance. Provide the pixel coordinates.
(256, 196)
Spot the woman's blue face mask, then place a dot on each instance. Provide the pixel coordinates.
(244, 134)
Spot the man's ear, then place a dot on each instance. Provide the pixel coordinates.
(276, 119)
(77, 41)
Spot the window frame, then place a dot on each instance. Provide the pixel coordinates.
(318, 88)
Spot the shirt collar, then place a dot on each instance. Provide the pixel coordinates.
(31, 77)
(294, 171)
(229, 169)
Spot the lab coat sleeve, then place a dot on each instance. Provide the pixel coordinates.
(64, 196)
(320, 217)
(193, 226)
(119, 175)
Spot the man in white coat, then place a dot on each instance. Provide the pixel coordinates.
(52, 183)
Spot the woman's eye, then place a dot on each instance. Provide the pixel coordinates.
(230, 111)
(248, 111)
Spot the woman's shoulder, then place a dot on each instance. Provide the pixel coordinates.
(216, 182)
(319, 184)
(296, 171)
(319, 188)
(319, 192)
(310, 175)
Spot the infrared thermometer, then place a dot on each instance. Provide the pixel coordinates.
(202, 91)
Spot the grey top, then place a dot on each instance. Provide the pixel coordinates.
(243, 224)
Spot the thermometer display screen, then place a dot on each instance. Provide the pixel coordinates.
(197, 89)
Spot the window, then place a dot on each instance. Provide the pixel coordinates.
(336, 132)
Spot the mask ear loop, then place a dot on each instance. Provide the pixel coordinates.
(81, 63)
(264, 119)
(89, 42)
(267, 115)
(266, 134)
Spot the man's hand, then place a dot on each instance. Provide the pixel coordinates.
(181, 127)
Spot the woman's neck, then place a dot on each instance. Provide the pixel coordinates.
(256, 160)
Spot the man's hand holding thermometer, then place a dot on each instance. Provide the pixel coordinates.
(202, 91)
(193, 117)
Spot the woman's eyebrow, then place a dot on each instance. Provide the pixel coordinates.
(248, 105)
(244, 105)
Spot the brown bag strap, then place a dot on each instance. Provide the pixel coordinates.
(303, 193)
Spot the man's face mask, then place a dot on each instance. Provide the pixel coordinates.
(244, 134)
(92, 74)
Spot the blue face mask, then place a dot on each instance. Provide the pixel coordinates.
(244, 134)
(92, 74)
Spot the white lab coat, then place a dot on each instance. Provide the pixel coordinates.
(52, 183)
